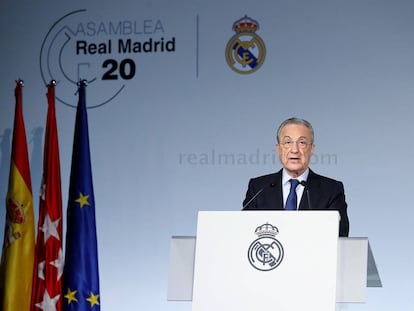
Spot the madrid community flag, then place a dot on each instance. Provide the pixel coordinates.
(16, 268)
(81, 273)
(47, 276)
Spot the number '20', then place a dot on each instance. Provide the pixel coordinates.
(126, 69)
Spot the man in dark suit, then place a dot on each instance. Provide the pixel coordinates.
(295, 146)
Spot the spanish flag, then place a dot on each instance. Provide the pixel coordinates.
(16, 269)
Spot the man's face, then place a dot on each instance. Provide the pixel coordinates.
(295, 148)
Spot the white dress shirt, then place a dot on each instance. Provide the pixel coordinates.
(286, 185)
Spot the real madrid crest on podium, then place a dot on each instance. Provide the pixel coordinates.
(246, 51)
(265, 253)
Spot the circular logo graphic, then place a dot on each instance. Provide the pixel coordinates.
(246, 51)
(67, 57)
(265, 253)
(103, 51)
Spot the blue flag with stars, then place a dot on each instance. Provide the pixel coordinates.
(81, 273)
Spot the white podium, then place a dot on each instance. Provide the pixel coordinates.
(275, 260)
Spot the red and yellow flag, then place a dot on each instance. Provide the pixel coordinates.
(16, 268)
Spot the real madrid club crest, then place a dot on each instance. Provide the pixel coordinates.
(246, 51)
(265, 253)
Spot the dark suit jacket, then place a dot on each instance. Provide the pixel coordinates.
(324, 194)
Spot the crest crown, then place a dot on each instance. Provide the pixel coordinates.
(266, 229)
(245, 24)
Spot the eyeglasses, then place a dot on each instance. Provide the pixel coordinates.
(302, 144)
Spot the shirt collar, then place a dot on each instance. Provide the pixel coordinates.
(286, 177)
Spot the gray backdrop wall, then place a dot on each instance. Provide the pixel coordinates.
(184, 132)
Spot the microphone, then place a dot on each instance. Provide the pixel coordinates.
(257, 194)
(304, 184)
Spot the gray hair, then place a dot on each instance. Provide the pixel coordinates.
(295, 121)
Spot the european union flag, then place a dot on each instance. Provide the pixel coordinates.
(81, 273)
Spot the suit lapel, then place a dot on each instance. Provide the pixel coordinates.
(275, 196)
(312, 184)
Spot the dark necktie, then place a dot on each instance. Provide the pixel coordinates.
(292, 199)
